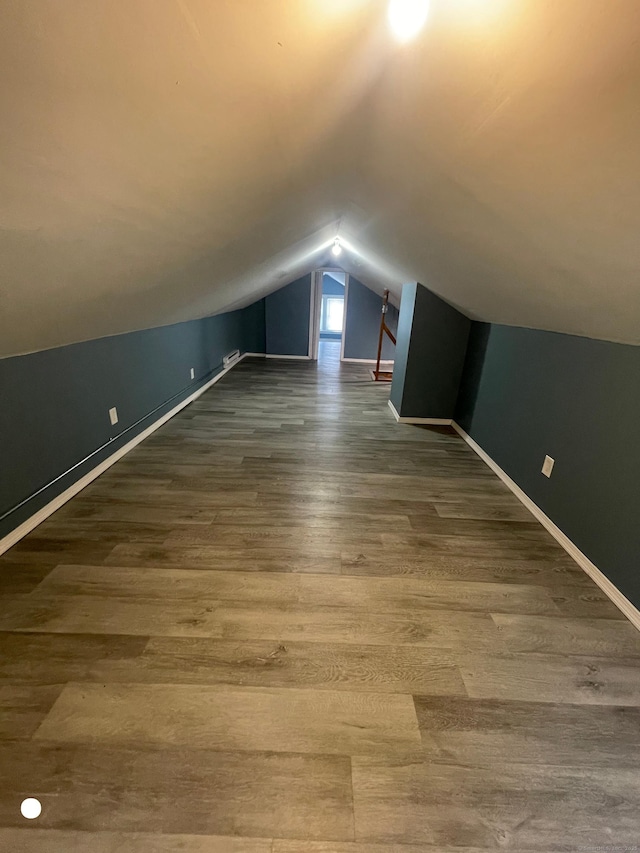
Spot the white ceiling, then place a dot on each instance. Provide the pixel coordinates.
(167, 159)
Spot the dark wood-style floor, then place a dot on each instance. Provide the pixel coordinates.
(286, 624)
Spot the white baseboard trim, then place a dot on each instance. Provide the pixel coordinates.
(268, 355)
(432, 421)
(292, 357)
(38, 517)
(367, 361)
(619, 599)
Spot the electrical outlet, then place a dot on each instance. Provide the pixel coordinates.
(547, 466)
(113, 416)
(193, 373)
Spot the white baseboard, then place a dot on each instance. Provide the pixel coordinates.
(38, 517)
(619, 599)
(368, 361)
(432, 421)
(293, 357)
(269, 355)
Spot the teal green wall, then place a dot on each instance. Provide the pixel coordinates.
(287, 318)
(430, 354)
(331, 287)
(55, 403)
(526, 393)
(362, 325)
(403, 339)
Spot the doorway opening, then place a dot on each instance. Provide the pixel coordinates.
(329, 309)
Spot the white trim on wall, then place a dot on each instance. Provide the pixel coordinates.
(344, 316)
(367, 361)
(317, 309)
(271, 355)
(432, 421)
(295, 357)
(610, 590)
(315, 301)
(38, 517)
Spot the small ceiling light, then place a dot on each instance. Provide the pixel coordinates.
(407, 17)
(31, 808)
(336, 248)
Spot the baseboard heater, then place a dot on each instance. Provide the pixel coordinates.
(229, 359)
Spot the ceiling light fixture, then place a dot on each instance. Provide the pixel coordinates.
(31, 808)
(407, 17)
(337, 248)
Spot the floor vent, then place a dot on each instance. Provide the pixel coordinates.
(229, 359)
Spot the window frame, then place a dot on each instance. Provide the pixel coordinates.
(324, 313)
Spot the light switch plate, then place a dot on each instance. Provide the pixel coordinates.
(547, 466)
(113, 416)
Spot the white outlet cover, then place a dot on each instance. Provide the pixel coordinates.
(113, 416)
(547, 466)
(193, 373)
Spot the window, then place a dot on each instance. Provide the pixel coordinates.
(332, 314)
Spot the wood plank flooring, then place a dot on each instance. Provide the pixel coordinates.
(287, 624)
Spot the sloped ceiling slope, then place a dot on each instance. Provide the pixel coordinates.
(161, 161)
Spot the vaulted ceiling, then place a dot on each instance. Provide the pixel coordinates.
(162, 160)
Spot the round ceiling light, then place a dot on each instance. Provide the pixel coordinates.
(31, 808)
(336, 248)
(407, 17)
